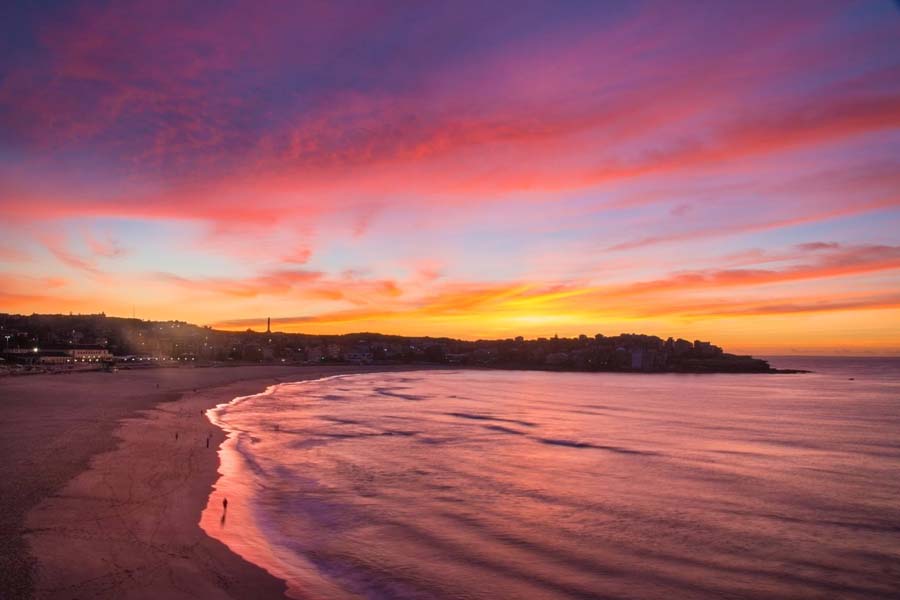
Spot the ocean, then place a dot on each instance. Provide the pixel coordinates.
(523, 484)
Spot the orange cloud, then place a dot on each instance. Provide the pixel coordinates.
(271, 283)
(505, 306)
(793, 306)
(512, 308)
(842, 261)
(57, 248)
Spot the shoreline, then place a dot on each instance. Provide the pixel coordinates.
(129, 524)
(114, 502)
(236, 526)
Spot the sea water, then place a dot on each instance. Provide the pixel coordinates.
(519, 484)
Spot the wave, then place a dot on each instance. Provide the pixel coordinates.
(517, 494)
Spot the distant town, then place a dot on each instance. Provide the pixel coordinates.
(58, 343)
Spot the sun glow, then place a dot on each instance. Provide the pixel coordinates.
(555, 181)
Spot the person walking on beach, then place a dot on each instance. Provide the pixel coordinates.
(225, 504)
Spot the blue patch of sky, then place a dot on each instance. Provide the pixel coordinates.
(157, 247)
(869, 228)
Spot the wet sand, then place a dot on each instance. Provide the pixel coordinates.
(99, 497)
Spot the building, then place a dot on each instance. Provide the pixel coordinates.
(359, 357)
(557, 359)
(637, 359)
(314, 354)
(86, 353)
(54, 357)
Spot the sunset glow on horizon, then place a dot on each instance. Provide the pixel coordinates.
(722, 171)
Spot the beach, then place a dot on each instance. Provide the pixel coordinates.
(99, 497)
(450, 483)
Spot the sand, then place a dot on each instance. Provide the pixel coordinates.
(100, 500)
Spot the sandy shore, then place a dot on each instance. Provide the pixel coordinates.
(102, 500)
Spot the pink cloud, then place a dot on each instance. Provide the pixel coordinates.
(743, 228)
(107, 247)
(58, 248)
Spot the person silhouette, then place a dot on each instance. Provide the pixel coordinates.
(224, 503)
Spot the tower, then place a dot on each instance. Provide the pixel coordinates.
(268, 324)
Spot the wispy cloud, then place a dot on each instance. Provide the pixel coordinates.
(652, 162)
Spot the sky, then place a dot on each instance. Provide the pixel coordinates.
(709, 170)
